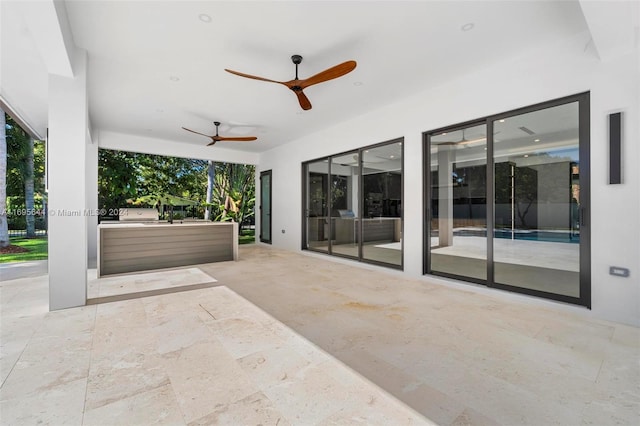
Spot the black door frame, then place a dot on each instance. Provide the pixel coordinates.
(263, 174)
(305, 210)
(583, 100)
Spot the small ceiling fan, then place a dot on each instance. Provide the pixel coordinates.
(216, 138)
(297, 85)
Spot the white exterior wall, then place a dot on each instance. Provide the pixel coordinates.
(536, 76)
(67, 171)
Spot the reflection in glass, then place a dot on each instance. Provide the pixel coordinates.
(537, 200)
(344, 204)
(318, 205)
(459, 202)
(265, 207)
(382, 204)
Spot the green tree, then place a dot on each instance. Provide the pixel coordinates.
(4, 229)
(211, 175)
(29, 191)
(117, 178)
(24, 176)
(526, 192)
(234, 192)
(124, 177)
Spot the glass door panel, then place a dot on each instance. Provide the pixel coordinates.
(317, 209)
(536, 240)
(458, 175)
(345, 178)
(381, 225)
(265, 206)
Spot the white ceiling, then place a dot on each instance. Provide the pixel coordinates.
(136, 47)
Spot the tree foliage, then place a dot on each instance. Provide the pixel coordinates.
(25, 169)
(234, 192)
(124, 177)
(4, 229)
(18, 152)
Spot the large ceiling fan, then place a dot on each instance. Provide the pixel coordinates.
(297, 85)
(216, 138)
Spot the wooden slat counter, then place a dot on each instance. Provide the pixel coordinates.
(130, 247)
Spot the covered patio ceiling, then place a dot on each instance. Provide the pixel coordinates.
(156, 66)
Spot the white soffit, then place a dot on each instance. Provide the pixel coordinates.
(614, 26)
(156, 66)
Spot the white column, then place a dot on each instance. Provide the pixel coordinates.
(446, 158)
(354, 190)
(67, 157)
(92, 201)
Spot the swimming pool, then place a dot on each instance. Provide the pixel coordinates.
(523, 234)
(538, 235)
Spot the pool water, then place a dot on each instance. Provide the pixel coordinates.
(536, 235)
(521, 234)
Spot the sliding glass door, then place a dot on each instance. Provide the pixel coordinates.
(458, 182)
(317, 205)
(507, 201)
(353, 204)
(537, 185)
(345, 180)
(382, 210)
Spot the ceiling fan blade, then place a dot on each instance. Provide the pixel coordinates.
(212, 143)
(252, 76)
(329, 74)
(197, 133)
(238, 139)
(305, 103)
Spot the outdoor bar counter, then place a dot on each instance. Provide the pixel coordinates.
(129, 247)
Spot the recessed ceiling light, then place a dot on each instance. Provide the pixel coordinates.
(444, 134)
(485, 149)
(205, 18)
(399, 143)
(358, 83)
(392, 156)
(502, 121)
(526, 155)
(174, 78)
(366, 150)
(536, 140)
(467, 27)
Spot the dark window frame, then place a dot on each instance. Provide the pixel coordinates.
(270, 174)
(583, 100)
(359, 152)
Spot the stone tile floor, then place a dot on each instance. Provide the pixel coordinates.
(288, 338)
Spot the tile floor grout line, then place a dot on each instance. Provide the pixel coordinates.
(15, 363)
(150, 293)
(91, 353)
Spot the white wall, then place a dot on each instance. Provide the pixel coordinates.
(540, 75)
(66, 158)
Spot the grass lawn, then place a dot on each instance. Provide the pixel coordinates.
(247, 236)
(37, 250)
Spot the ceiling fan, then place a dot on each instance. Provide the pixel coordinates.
(297, 85)
(216, 138)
